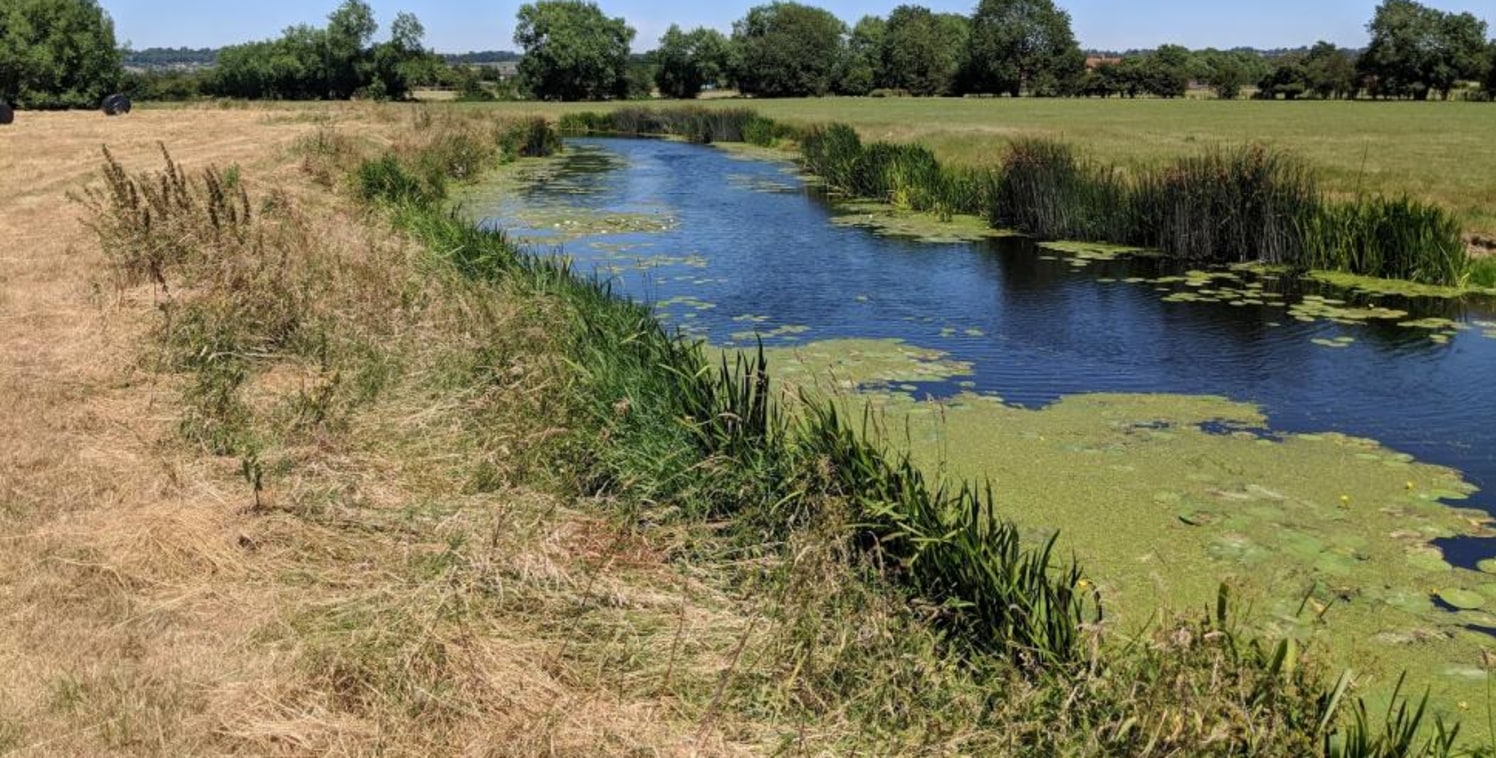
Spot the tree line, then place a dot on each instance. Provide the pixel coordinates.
(572, 51)
(63, 53)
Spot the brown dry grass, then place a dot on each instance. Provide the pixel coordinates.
(379, 602)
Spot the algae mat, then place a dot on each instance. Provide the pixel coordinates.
(1163, 497)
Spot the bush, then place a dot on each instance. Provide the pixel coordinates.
(386, 180)
(529, 138)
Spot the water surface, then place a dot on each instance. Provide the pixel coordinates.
(731, 248)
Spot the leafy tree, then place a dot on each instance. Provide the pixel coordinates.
(350, 29)
(572, 51)
(861, 67)
(1416, 50)
(1288, 78)
(1460, 53)
(1330, 72)
(57, 53)
(1226, 78)
(394, 66)
(688, 62)
(787, 50)
(1166, 72)
(1491, 69)
(337, 62)
(1021, 44)
(162, 85)
(921, 50)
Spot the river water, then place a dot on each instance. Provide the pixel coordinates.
(727, 247)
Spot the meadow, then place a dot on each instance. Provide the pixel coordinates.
(1434, 151)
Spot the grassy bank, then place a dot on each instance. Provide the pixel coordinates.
(1432, 152)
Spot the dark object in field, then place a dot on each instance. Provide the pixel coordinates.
(7, 114)
(116, 105)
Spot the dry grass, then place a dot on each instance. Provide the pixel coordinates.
(400, 589)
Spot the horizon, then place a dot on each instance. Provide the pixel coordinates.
(459, 27)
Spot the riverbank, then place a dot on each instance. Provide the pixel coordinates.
(406, 490)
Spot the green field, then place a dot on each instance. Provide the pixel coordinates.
(1435, 151)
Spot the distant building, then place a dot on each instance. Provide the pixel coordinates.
(1097, 61)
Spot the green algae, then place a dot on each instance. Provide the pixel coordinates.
(887, 220)
(1335, 342)
(787, 331)
(1094, 251)
(1374, 286)
(1465, 600)
(686, 301)
(883, 367)
(1161, 511)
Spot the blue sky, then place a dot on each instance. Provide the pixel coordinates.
(461, 25)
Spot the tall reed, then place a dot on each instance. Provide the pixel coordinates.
(1043, 189)
(1249, 204)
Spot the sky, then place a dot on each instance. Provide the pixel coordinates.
(463, 25)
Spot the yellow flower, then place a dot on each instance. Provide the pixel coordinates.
(1345, 501)
(1410, 485)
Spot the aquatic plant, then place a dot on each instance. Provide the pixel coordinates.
(1391, 238)
(1236, 205)
(528, 138)
(1043, 189)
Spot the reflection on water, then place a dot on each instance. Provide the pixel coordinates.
(729, 251)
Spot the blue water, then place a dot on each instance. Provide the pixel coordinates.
(748, 238)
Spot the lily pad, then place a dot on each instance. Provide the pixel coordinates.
(1488, 565)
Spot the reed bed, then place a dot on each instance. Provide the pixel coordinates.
(661, 424)
(906, 176)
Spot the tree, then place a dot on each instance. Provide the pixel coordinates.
(1021, 44)
(921, 50)
(1416, 50)
(337, 62)
(572, 51)
(350, 29)
(861, 67)
(57, 53)
(1289, 78)
(1166, 72)
(787, 50)
(395, 65)
(1226, 78)
(1459, 52)
(688, 62)
(1491, 69)
(1330, 72)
